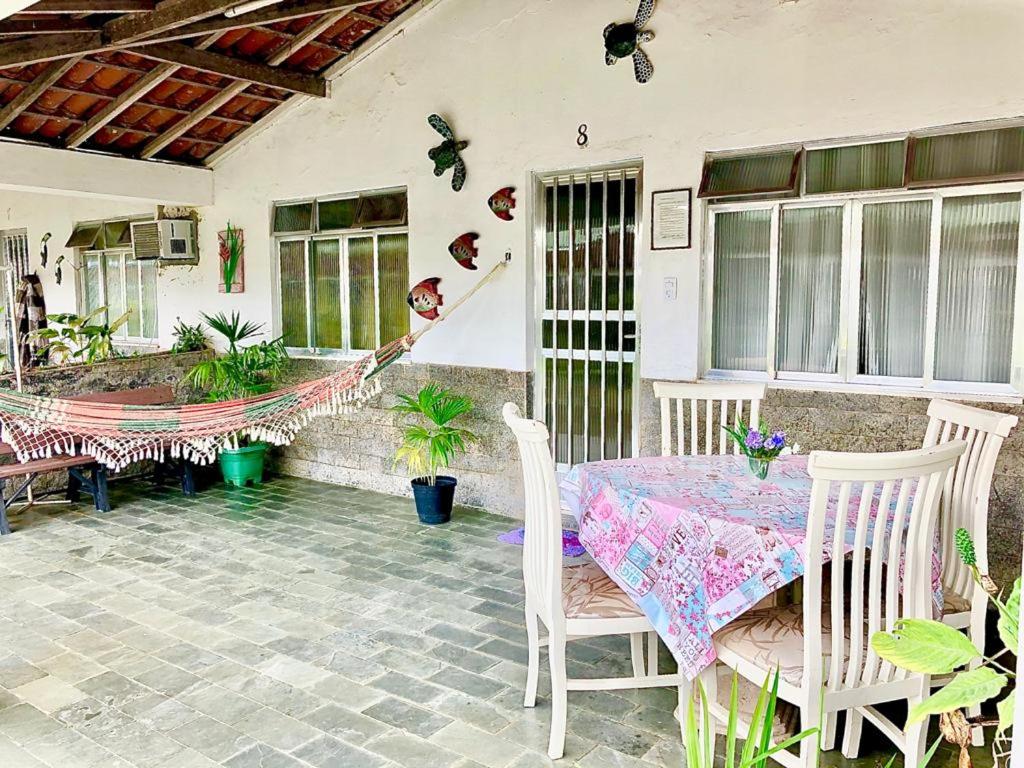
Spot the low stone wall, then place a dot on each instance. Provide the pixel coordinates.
(835, 421)
(111, 375)
(358, 449)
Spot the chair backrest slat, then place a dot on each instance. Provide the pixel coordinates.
(965, 497)
(542, 544)
(853, 493)
(696, 403)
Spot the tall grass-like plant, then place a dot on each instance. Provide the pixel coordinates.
(431, 442)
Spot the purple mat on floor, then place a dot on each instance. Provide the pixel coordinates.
(571, 546)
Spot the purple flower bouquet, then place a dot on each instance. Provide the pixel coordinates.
(761, 446)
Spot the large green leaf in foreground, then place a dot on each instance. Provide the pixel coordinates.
(922, 645)
(964, 690)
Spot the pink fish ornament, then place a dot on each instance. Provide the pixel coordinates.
(424, 298)
(502, 202)
(463, 249)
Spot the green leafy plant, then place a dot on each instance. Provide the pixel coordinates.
(241, 371)
(430, 443)
(75, 338)
(931, 647)
(230, 255)
(189, 338)
(757, 748)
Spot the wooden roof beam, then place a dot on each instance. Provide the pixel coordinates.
(42, 26)
(237, 69)
(89, 6)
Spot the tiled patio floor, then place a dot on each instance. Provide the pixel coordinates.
(299, 624)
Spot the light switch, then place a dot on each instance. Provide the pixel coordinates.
(669, 287)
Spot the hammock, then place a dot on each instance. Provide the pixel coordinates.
(118, 435)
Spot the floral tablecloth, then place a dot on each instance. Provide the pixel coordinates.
(695, 541)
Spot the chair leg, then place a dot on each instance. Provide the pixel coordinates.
(559, 695)
(74, 488)
(851, 733)
(809, 718)
(101, 496)
(533, 662)
(916, 735)
(636, 651)
(828, 731)
(652, 653)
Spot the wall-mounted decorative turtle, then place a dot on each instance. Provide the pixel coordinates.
(463, 249)
(446, 154)
(622, 40)
(502, 202)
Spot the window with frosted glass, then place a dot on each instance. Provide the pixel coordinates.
(91, 283)
(854, 168)
(893, 288)
(967, 157)
(361, 294)
(292, 267)
(393, 267)
(325, 276)
(977, 275)
(293, 217)
(133, 298)
(810, 267)
(740, 309)
(113, 269)
(774, 172)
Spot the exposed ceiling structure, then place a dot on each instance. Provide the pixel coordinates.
(180, 80)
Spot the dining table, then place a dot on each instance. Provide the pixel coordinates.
(696, 541)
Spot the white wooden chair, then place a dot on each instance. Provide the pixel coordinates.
(701, 410)
(824, 671)
(573, 602)
(965, 505)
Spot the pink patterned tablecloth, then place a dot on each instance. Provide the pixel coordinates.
(694, 541)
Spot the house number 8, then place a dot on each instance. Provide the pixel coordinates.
(581, 138)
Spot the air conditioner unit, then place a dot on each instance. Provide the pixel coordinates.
(170, 240)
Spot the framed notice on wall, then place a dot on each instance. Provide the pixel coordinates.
(671, 219)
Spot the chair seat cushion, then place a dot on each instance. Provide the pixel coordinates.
(774, 636)
(588, 593)
(954, 603)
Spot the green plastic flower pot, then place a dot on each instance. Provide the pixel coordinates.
(243, 465)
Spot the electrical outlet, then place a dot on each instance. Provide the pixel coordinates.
(670, 288)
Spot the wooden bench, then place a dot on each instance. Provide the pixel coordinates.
(84, 472)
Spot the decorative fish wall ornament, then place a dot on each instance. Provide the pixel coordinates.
(464, 249)
(502, 202)
(447, 154)
(424, 298)
(623, 40)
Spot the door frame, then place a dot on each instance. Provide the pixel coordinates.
(535, 336)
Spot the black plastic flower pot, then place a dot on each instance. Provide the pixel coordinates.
(434, 502)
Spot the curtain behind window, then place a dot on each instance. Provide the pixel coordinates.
(977, 274)
(893, 287)
(810, 263)
(739, 336)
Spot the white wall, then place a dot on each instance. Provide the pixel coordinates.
(516, 79)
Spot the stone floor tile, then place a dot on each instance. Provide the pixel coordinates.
(408, 688)
(220, 703)
(24, 723)
(213, 739)
(406, 749)
(71, 667)
(49, 693)
(68, 749)
(328, 752)
(277, 730)
(15, 671)
(298, 674)
(344, 724)
(468, 683)
(262, 756)
(486, 749)
(13, 755)
(409, 717)
(603, 757)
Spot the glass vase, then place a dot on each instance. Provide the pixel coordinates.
(758, 467)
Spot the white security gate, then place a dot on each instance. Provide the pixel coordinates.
(586, 388)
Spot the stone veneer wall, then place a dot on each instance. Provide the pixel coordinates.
(838, 421)
(111, 375)
(357, 449)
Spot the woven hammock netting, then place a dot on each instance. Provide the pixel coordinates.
(118, 435)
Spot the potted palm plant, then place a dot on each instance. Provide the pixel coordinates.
(240, 372)
(430, 443)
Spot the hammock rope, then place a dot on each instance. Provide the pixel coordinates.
(118, 435)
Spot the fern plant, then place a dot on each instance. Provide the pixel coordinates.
(431, 442)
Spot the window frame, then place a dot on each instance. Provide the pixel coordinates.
(342, 236)
(848, 357)
(123, 255)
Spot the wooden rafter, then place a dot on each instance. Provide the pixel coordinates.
(89, 6)
(237, 69)
(34, 90)
(121, 103)
(42, 26)
(197, 116)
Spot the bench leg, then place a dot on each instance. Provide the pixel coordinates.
(188, 480)
(74, 487)
(5, 526)
(99, 482)
(159, 473)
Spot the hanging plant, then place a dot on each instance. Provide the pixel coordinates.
(231, 247)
